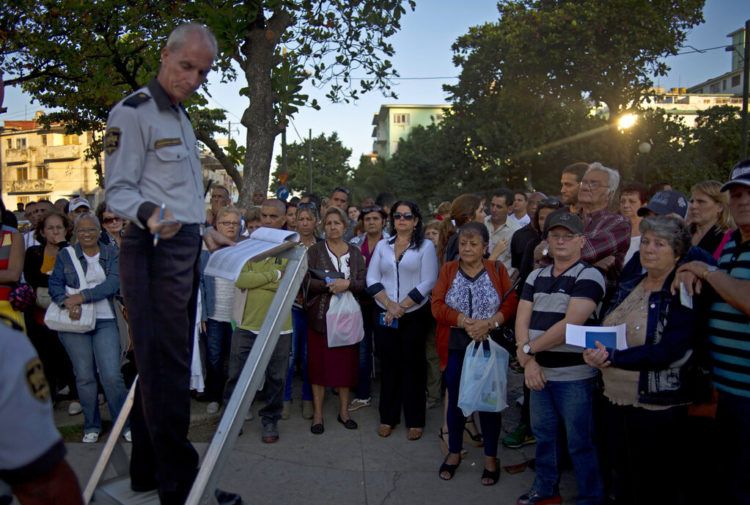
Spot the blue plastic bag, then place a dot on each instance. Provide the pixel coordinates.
(484, 378)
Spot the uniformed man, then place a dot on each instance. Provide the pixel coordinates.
(32, 453)
(153, 178)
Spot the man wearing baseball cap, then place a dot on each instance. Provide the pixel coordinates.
(562, 385)
(664, 203)
(77, 206)
(729, 338)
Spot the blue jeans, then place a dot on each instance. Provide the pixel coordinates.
(364, 387)
(218, 342)
(298, 355)
(570, 404)
(99, 350)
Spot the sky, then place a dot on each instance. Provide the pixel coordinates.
(423, 49)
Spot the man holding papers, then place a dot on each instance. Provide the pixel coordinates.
(259, 281)
(568, 291)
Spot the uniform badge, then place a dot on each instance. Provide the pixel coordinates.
(112, 140)
(36, 380)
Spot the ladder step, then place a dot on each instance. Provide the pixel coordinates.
(117, 492)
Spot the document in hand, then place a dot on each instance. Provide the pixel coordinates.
(228, 262)
(586, 336)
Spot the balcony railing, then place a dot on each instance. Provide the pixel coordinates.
(33, 186)
(61, 153)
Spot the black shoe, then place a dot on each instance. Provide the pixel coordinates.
(449, 469)
(317, 429)
(226, 498)
(492, 475)
(349, 424)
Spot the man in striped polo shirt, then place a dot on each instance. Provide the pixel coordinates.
(729, 335)
(562, 385)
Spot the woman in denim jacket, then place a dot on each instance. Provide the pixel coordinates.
(98, 349)
(646, 383)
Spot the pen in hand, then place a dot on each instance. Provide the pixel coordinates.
(161, 218)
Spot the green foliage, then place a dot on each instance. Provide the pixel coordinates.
(530, 80)
(330, 165)
(81, 57)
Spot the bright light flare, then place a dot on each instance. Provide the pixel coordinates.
(626, 121)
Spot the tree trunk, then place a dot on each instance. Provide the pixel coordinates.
(259, 118)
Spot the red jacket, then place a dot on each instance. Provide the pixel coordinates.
(447, 317)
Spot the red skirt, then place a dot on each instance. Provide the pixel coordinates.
(334, 366)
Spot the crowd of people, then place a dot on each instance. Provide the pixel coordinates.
(659, 417)
(630, 419)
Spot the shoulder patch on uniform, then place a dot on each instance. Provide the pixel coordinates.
(111, 140)
(167, 142)
(136, 100)
(36, 380)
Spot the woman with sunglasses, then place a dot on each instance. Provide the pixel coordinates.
(112, 226)
(401, 275)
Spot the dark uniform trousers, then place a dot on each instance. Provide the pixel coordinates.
(159, 285)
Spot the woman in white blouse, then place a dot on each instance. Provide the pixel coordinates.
(402, 272)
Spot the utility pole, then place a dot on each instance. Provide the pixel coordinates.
(309, 159)
(745, 87)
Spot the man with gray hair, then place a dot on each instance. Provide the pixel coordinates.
(607, 233)
(153, 178)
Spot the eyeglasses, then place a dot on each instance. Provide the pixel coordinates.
(307, 205)
(593, 184)
(340, 189)
(87, 231)
(108, 220)
(407, 216)
(229, 223)
(565, 237)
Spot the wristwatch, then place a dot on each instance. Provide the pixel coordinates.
(527, 349)
(709, 269)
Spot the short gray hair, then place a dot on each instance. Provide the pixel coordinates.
(670, 228)
(86, 216)
(613, 177)
(179, 36)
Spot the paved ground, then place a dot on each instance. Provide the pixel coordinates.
(345, 467)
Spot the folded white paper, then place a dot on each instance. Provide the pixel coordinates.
(586, 336)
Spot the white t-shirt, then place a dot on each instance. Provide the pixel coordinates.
(94, 276)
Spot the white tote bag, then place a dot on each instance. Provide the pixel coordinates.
(344, 321)
(58, 318)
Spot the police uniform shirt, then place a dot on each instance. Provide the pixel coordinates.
(27, 429)
(152, 158)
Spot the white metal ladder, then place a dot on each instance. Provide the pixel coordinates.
(116, 490)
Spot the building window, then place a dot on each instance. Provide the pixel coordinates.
(724, 85)
(735, 80)
(42, 172)
(44, 140)
(22, 173)
(21, 143)
(401, 118)
(10, 143)
(714, 88)
(71, 140)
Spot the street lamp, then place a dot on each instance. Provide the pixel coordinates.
(626, 121)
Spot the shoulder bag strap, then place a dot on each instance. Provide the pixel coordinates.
(82, 284)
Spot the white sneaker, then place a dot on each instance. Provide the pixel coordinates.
(212, 408)
(128, 436)
(74, 408)
(90, 438)
(65, 391)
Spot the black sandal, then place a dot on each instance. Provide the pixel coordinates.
(317, 429)
(476, 438)
(449, 469)
(493, 475)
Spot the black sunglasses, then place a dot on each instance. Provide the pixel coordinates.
(307, 205)
(408, 216)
